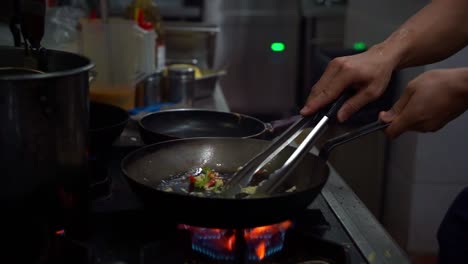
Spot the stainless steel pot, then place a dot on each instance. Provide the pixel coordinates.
(44, 118)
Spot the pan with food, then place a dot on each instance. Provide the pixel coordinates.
(180, 179)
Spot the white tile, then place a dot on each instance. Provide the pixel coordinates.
(442, 156)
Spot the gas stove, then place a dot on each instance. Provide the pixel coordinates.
(118, 229)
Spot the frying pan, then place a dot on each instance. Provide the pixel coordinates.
(106, 123)
(193, 123)
(145, 168)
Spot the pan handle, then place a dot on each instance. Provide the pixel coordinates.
(277, 127)
(349, 136)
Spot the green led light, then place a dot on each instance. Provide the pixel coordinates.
(359, 45)
(277, 46)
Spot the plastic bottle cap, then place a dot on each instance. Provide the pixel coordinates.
(146, 25)
(181, 72)
(142, 23)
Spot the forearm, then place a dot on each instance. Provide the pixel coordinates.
(434, 33)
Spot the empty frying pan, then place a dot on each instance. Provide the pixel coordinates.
(193, 123)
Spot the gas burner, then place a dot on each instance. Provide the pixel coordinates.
(219, 246)
(63, 249)
(253, 244)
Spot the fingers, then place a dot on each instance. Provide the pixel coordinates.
(398, 126)
(388, 116)
(398, 115)
(362, 98)
(334, 80)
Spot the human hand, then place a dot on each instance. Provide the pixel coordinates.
(368, 73)
(429, 102)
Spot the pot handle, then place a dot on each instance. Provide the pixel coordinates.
(349, 136)
(92, 75)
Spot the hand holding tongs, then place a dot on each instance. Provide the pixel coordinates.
(320, 121)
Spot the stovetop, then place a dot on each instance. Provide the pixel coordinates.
(119, 230)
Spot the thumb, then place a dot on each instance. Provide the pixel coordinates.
(387, 116)
(393, 115)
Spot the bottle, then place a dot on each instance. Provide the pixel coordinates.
(151, 12)
(148, 45)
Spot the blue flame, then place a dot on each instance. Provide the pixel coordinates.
(211, 243)
(212, 253)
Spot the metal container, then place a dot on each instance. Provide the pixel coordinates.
(149, 90)
(191, 40)
(181, 85)
(205, 85)
(43, 140)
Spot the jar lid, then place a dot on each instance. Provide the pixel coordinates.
(181, 71)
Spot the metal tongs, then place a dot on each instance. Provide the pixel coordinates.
(319, 121)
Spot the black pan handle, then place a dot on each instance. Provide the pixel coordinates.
(333, 109)
(277, 127)
(339, 140)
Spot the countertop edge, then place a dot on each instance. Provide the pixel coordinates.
(369, 235)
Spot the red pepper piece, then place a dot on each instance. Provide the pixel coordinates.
(210, 183)
(192, 179)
